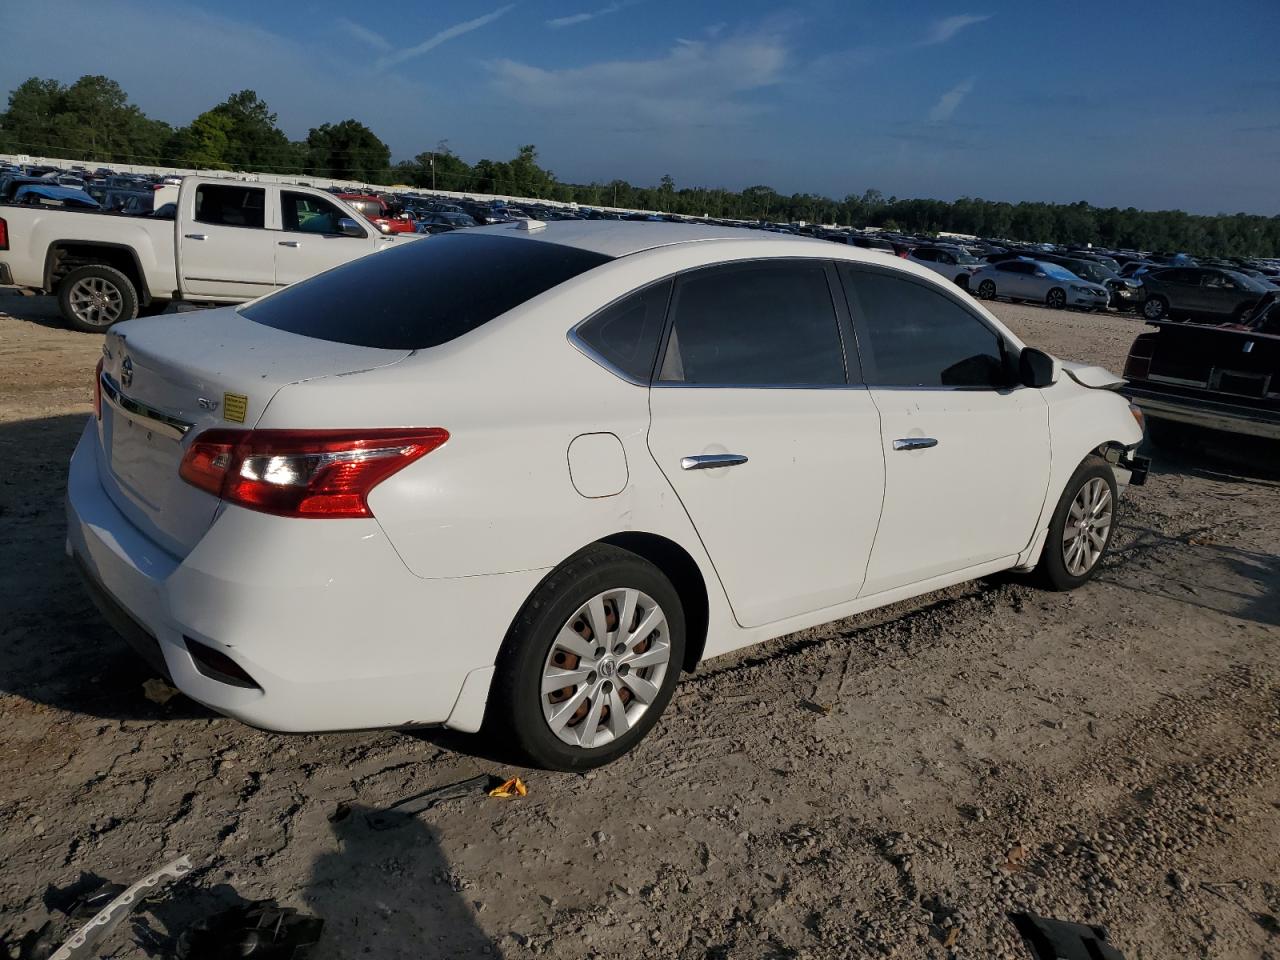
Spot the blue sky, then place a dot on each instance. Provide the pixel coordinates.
(1170, 105)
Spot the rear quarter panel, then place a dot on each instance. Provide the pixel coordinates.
(34, 233)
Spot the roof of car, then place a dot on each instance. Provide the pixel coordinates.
(618, 238)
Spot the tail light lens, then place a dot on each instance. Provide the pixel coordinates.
(4, 234)
(97, 389)
(1138, 364)
(303, 473)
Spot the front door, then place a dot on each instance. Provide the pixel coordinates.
(224, 250)
(773, 452)
(966, 452)
(309, 241)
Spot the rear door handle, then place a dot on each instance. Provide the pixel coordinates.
(290, 243)
(712, 461)
(915, 443)
(196, 236)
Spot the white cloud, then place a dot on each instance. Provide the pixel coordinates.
(696, 83)
(940, 31)
(445, 35)
(950, 101)
(364, 34)
(575, 18)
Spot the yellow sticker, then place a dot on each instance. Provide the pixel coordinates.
(234, 407)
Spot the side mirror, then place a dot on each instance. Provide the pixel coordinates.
(1036, 368)
(1041, 273)
(349, 228)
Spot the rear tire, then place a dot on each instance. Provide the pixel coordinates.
(1081, 527)
(95, 297)
(987, 290)
(602, 700)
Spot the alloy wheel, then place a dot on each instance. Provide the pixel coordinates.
(605, 667)
(96, 301)
(1088, 525)
(1057, 299)
(987, 290)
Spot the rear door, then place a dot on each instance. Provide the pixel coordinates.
(966, 452)
(309, 241)
(771, 446)
(225, 250)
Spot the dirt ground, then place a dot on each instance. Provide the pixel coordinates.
(889, 785)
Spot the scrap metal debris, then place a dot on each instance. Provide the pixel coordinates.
(263, 930)
(84, 943)
(1060, 940)
(399, 813)
(514, 787)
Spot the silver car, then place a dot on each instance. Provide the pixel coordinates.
(1038, 282)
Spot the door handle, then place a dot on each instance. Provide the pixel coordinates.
(915, 443)
(712, 461)
(196, 236)
(290, 243)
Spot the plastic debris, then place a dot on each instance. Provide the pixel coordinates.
(263, 930)
(1061, 940)
(514, 787)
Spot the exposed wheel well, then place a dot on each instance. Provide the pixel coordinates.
(674, 561)
(64, 257)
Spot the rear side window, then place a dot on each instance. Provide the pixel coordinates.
(228, 206)
(422, 293)
(755, 324)
(626, 334)
(912, 336)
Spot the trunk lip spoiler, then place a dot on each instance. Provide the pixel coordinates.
(166, 424)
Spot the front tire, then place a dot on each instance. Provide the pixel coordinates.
(1155, 308)
(590, 662)
(1081, 527)
(1056, 299)
(95, 297)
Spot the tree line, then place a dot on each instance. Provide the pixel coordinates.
(92, 120)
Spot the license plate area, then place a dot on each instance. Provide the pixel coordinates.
(141, 458)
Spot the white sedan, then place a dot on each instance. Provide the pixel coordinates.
(524, 476)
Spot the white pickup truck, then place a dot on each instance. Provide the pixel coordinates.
(229, 241)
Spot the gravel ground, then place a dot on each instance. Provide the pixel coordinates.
(888, 785)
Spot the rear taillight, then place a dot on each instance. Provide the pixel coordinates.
(4, 234)
(97, 389)
(1138, 364)
(303, 473)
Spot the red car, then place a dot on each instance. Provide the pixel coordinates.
(378, 212)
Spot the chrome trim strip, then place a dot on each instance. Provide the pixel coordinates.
(160, 422)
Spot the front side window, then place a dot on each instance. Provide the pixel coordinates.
(230, 206)
(754, 324)
(303, 213)
(626, 334)
(910, 335)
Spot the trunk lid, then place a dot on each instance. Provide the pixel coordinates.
(167, 379)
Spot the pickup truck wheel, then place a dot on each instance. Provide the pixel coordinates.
(95, 297)
(1081, 527)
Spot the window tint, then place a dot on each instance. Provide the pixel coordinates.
(230, 206)
(928, 256)
(422, 293)
(627, 333)
(757, 324)
(912, 336)
(304, 213)
(1017, 266)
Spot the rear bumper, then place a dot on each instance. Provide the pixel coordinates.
(1209, 414)
(334, 630)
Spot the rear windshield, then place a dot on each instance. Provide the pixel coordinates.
(424, 293)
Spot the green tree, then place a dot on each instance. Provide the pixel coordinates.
(347, 151)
